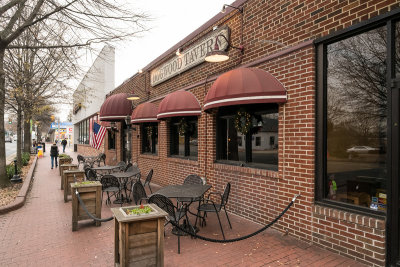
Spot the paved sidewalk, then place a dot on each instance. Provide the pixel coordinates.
(39, 234)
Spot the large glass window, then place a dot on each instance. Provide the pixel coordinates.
(149, 137)
(111, 139)
(183, 136)
(244, 136)
(356, 120)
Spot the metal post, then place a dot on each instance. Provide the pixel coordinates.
(16, 178)
(129, 141)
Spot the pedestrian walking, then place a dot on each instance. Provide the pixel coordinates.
(64, 144)
(54, 155)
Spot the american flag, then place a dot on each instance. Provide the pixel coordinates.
(97, 135)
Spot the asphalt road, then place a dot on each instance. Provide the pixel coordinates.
(11, 150)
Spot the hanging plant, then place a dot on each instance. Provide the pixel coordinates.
(243, 122)
(149, 130)
(183, 127)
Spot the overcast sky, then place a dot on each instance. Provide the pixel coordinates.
(173, 21)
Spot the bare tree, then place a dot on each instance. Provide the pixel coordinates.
(86, 22)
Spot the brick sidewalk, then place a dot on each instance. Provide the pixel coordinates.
(39, 234)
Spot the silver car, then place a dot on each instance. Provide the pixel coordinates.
(362, 150)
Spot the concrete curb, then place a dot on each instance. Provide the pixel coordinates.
(21, 197)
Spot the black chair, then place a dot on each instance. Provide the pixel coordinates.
(211, 206)
(191, 179)
(148, 180)
(174, 214)
(110, 184)
(101, 158)
(90, 174)
(128, 166)
(80, 159)
(138, 193)
(122, 165)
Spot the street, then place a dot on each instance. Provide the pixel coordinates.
(11, 150)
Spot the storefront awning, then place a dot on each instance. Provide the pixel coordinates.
(116, 108)
(177, 104)
(145, 112)
(245, 86)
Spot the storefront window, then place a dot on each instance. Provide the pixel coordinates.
(356, 120)
(149, 138)
(111, 139)
(183, 136)
(256, 149)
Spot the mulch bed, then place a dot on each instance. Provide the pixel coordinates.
(8, 194)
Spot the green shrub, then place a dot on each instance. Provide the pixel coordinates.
(10, 169)
(62, 156)
(25, 158)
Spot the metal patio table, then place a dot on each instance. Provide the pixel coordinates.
(191, 191)
(123, 178)
(106, 168)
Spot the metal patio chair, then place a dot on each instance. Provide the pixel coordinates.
(90, 174)
(174, 214)
(138, 193)
(148, 180)
(211, 206)
(80, 159)
(110, 184)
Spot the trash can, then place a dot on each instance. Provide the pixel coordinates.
(40, 151)
(44, 147)
(75, 147)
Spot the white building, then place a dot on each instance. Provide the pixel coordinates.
(90, 95)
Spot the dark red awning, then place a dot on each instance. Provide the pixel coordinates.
(178, 104)
(245, 86)
(145, 112)
(116, 108)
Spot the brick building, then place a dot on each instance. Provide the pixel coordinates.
(306, 103)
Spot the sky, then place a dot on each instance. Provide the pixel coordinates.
(172, 21)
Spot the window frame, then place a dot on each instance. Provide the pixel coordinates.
(321, 45)
(154, 138)
(175, 120)
(247, 140)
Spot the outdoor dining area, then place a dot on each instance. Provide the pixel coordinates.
(187, 205)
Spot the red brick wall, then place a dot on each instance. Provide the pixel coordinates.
(261, 195)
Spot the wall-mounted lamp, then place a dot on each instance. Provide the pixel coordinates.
(133, 97)
(225, 6)
(179, 52)
(217, 55)
(140, 70)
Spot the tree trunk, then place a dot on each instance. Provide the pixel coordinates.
(3, 176)
(27, 132)
(19, 135)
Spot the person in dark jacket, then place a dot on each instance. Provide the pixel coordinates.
(54, 155)
(64, 144)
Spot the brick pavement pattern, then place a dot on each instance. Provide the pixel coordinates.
(39, 234)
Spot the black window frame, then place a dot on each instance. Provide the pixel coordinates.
(230, 111)
(174, 137)
(111, 139)
(386, 20)
(144, 138)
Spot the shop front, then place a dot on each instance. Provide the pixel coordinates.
(306, 102)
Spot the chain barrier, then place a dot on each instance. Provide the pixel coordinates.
(239, 238)
(88, 213)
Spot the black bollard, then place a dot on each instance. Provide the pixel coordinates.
(16, 178)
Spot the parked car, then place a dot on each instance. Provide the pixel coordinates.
(9, 138)
(362, 150)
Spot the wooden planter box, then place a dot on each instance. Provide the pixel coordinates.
(139, 239)
(63, 161)
(91, 197)
(65, 167)
(69, 178)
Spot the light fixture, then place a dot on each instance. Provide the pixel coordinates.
(140, 70)
(133, 97)
(179, 52)
(217, 55)
(225, 6)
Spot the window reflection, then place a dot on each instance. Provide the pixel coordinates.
(357, 120)
(184, 137)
